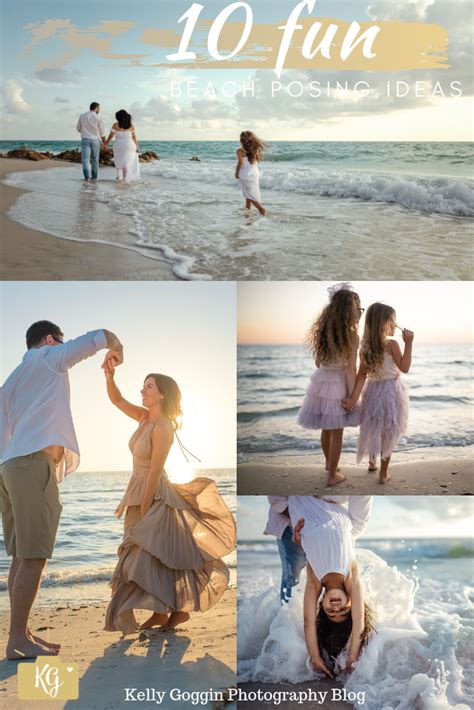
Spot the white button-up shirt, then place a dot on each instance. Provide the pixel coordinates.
(90, 125)
(35, 407)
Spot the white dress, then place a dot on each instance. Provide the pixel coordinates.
(329, 530)
(249, 178)
(126, 156)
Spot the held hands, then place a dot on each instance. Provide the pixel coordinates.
(297, 531)
(319, 665)
(407, 335)
(348, 404)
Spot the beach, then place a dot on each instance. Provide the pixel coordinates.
(418, 589)
(32, 255)
(286, 477)
(272, 380)
(198, 656)
(335, 211)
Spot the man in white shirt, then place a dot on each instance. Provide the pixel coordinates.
(38, 447)
(91, 127)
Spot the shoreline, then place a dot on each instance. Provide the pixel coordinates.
(448, 476)
(53, 258)
(197, 656)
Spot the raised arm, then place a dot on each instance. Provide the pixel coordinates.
(240, 157)
(161, 439)
(312, 592)
(402, 361)
(115, 396)
(65, 355)
(354, 588)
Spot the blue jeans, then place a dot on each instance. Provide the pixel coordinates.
(90, 149)
(293, 559)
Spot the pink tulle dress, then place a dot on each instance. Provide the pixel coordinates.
(322, 406)
(383, 412)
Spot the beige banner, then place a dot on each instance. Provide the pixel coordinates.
(397, 46)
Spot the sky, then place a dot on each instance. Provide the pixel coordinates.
(391, 517)
(185, 330)
(282, 312)
(58, 57)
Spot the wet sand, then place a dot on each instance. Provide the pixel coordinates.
(30, 255)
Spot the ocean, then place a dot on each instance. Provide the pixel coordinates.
(89, 534)
(336, 210)
(272, 380)
(421, 592)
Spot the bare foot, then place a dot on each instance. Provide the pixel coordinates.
(384, 479)
(334, 480)
(26, 648)
(371, 469)
(154, 620)
(47, 644)
(263, 212)
(177, 617)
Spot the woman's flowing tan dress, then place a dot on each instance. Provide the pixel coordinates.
(171, 558)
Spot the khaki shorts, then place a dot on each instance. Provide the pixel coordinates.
(30, 505)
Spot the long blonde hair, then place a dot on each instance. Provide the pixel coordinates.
(374, 340)
(333, 335)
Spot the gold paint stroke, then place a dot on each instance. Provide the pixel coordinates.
(398, 46)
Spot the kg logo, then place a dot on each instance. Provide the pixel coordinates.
(48, 679)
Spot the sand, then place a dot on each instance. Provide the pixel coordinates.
(438, 477)
(30, 255)
(199, 656)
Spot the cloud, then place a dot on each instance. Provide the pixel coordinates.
(57, 75)
(13, 97)
(158, 108)
(402, 10)
(60, 100)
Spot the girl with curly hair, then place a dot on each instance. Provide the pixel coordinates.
(247, 173)
(336, 617)
(333, 342)
(384, 404)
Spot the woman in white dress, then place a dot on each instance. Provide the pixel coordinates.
(340, 620)
(125, 147)
(247, 173)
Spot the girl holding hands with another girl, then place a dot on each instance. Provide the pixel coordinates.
(384, 405)
(333, 341)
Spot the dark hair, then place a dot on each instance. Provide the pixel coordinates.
(171, 398)
(93, 106)
(333, 636)
(123, 119)
(39, 330)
